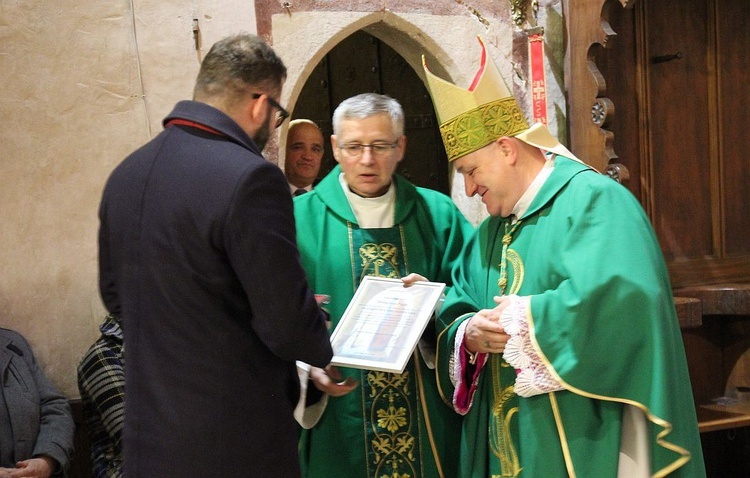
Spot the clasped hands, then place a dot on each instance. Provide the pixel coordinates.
(483, 333)
(39, 467)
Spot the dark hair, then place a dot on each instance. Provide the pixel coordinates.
(237, 66)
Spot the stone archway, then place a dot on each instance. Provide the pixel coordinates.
(363, 63)
(303, 38)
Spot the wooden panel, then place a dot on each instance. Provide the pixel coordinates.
(584, 80)
(679, 121)
(721, 299)
(689, 312)
(617, 64)
(683, 117)
(709, 270)
(713, 417)
(733, 45)
(727, 452)
(703, 348)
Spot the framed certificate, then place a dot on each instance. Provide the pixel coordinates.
(383, 323)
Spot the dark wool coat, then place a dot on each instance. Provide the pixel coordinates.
(198, 250)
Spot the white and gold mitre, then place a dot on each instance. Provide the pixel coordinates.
(472, 118)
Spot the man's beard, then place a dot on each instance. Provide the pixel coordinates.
(261, 137)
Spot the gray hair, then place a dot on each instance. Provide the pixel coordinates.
(235, 66)
(366, 105)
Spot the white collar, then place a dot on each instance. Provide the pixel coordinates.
(371, 212)
(525, 201)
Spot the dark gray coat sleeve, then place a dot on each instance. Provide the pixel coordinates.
(40, 416)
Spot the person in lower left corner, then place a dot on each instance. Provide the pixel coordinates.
(36, 424)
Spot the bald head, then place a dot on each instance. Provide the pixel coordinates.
(304, 152)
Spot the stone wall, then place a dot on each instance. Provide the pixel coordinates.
(87, 82)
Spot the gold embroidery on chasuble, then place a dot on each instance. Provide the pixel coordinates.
(390, 400)
(504, 399)
(500, 423)
(509, 257)
(379, 260)
(516, 265)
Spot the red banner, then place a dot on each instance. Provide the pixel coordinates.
(538, 82)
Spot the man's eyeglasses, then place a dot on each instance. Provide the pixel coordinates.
(356, 150)
(282, 113)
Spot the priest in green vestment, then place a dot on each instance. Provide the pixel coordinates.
(559, 341)
(363, 219)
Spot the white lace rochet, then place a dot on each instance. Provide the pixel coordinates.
(533, 377)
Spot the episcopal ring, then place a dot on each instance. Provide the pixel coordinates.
(487, 344)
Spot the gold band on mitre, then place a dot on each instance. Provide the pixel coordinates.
(480, 126)
(472, 118)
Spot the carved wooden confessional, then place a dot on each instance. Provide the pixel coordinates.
(658, 99)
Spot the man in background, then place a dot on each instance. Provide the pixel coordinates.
(361, 220)
(559, 340)
(197, 253)
(304, 152)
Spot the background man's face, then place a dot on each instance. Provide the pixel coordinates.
(304, 152)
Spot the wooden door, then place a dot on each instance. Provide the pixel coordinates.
(675, 78)
(698, 99)
(676, 73)
(362, 63)
(681, 111)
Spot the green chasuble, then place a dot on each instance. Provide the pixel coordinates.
(391, 425)
(603, 322)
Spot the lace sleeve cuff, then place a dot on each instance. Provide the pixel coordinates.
(532, 378)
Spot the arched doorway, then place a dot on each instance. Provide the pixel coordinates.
(362, 63)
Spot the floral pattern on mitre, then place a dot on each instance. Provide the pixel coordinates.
(532, 377)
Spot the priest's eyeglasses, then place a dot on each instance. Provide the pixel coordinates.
(356, 150)
(281, 115)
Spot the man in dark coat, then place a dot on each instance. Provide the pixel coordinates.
(198, 254)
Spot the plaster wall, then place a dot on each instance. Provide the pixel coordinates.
(84, 84)
(87, 82)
